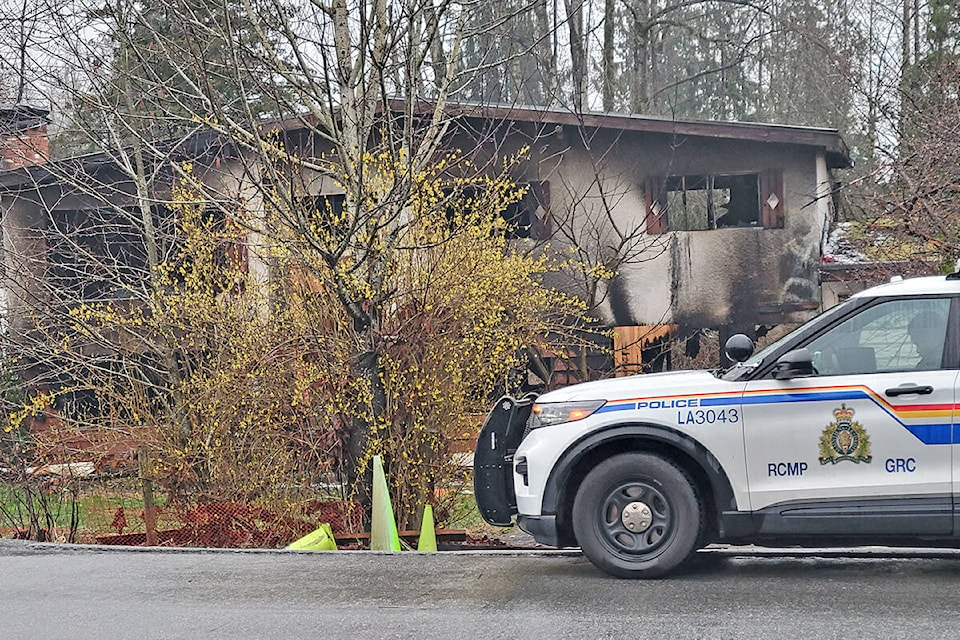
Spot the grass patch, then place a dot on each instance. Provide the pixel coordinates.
(465, 515)
(97, 511)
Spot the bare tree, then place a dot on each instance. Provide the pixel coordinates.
(310, 128)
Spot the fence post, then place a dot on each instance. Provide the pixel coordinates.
(149, 508)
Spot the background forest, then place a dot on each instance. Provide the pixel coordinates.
(868, 69)
(884, 73)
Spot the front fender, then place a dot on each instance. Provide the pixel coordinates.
(635, 435)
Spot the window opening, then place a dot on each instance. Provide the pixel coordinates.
(529, 217)
(703, 202)
(328, 211)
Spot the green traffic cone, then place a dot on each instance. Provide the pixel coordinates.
(319, 540)
(383, 526)
(428, 535)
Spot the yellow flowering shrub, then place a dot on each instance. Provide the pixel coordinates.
(387, 327)
(457, 306)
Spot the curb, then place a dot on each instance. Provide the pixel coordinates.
(904, 553)
(59, 547)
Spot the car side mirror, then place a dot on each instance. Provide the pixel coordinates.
(794, 364)
(738, 347)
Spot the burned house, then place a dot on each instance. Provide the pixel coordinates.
(699, 224)
(686, 224)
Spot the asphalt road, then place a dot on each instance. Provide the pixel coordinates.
(50, 592)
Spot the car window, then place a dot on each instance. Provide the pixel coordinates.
(898, 335)
(758, 358)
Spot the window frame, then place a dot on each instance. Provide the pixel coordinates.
(808, 333)
(769, 184)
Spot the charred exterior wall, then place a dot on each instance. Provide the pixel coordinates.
(24, 257)
(738, 276)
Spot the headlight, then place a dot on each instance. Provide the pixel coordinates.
(550, 413)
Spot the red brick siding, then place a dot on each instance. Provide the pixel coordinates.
(24, 149)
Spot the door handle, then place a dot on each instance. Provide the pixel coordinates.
(921, 389)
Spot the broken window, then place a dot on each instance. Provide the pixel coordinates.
(715, 201)
(530, 216)
(101, 253)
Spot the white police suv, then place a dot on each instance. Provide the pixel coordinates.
(845, 431)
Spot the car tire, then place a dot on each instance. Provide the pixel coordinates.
(638, 515)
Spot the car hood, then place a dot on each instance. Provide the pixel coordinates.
(643, 385)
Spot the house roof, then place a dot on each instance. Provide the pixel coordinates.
(17, 118)
(837, 154)
(199, 144)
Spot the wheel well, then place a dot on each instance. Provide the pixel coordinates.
(630, 444)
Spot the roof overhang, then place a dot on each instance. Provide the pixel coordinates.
(829, 140)
(203, 143)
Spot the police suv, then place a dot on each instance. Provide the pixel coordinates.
(842, 432)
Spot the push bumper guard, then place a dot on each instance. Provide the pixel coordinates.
(493, 459)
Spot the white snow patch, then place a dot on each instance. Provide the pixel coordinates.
(837, 248)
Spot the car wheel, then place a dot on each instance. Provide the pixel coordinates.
(637, 515)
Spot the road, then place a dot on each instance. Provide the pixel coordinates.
(51, 592)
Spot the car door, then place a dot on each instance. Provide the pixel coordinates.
(863, 446)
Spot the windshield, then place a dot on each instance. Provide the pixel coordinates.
(757, 359)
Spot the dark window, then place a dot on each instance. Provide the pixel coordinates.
(100, 253)
(714, 201)
(327, 207)
(529, 217)
(328, 211)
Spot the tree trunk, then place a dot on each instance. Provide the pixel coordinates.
(609, 72)
(546, 52)
(578, 69)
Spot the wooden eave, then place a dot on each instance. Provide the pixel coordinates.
(207, 143)
(838, 155)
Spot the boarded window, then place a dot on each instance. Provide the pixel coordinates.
(714, 201)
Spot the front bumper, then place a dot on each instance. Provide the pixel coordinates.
(493, 459)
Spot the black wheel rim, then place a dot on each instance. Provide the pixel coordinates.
(635, 544)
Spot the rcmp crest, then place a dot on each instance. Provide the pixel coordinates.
(844, 439)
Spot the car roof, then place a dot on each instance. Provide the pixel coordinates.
(929, 285)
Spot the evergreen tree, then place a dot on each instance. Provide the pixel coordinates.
(167, 63)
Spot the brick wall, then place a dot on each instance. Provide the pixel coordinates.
(23, 136)
(24, 148)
